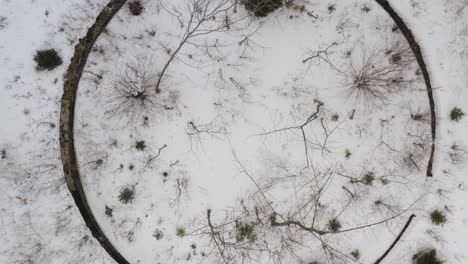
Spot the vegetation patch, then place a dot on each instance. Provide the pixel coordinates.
(335, 117)
(136, 8)
(140, 145)
(245, 231)
(127, 195)
(369, 178)
(427, 257)
(108, 211)
(3, 153)
(438, 217)
(158, 234)
(334, 225)
(456, 114)
(356, 254)
(348, 153)
(180, 231)
(47, 59)
(365, 9)
(261, 8)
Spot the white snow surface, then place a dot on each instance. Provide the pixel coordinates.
(225, 126)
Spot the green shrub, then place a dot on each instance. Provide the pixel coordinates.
(47, 59)
(347, 153)
(456, 114)
(438, 217)
(136, 8)
(426, 257)
(261, 8)
(131, 167)
(331, 8)
(334, 225)
(158, 234)
(140, 145)
(335, 117)
(365, 9)
(356, 254)
(369, 178)
(180, 231)
(245, 231)
(127, 194)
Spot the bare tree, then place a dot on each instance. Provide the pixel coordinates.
(133, 93)
(270, 229)
(133, 90)
(204, 17)
(313, 116)
(323, 55)
(371, 74)
(370, 80)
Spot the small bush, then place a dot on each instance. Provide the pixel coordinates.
(426, 257)
(438, 217)
(369, 178)
(356, 254)
(47, 59)
(131, 167)
(180, 231)
(457, 154)
(368, 79)
(422, 117)
(335, 117)
(136, 8)
(365, 9)
(165, 175)
(261, 8)
(347, 153)
(331, 8)
(99, 162)
(158, 234)
(456, 114)
(334, 225)
(140, 145)
(108, 211)
(384, 181)
(133, 94)
(127, 195)
(291, 4)
(245, 231)
(3, 22)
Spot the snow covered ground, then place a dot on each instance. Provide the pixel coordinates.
(39, 220)
(259, 124)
